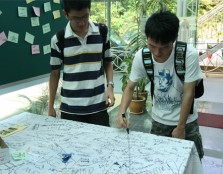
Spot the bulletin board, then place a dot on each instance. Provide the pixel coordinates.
(26, 28)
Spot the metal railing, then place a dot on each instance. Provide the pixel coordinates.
(211, 57)
(118, 55)
(210, 25)
(215, 10)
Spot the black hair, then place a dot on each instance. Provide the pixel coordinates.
(78, 5)
(162, 27)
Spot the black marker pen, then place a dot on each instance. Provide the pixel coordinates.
(125, 122)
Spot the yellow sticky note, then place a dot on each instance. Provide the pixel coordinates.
(56, 14)
(56, 1)
(11, 130)
(29, 1)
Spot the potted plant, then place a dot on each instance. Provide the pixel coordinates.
(140, 95)
(137, 41)
(137, 104)
(141, 88)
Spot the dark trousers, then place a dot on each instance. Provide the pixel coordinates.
(99, 118)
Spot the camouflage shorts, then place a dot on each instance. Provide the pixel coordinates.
(192, 133)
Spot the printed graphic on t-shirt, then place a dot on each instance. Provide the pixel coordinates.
(165, 80)
(166, 95)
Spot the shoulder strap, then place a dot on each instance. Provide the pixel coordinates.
(179, 63)
(60, 36)
(103, 31)
(179, 59)
(148, 64)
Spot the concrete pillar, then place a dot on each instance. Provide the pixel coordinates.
(109, 16)
(184, 8)
(179, 8)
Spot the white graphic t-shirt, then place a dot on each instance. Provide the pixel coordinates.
(168, 88)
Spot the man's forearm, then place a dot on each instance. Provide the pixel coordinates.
(109, 71)
(185, 109)
(53, 85)
(126, 99)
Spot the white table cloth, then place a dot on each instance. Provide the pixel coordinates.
(95, 149)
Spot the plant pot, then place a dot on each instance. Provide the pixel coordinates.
(137, 105)
(143, 94)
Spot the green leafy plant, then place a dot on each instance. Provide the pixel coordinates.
(142, 84)
(39, 105)
(127, 63)
(140, 87)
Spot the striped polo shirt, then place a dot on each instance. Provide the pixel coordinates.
(83, 90)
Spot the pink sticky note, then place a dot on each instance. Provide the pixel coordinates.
(35, 49)
(36, 11)
(3, 38)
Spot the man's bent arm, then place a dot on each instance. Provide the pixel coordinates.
(187, 102)
(126, 100)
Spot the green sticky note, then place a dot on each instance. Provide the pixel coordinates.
(19, 155)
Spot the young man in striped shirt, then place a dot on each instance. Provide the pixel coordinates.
(84, 96)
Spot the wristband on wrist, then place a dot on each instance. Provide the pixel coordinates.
(110, 83)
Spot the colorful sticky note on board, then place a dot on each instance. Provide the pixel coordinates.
(36, 11)
(46, 28)
(13, 37)
(56, 1)
(29, 1)
(3, 38)
(34, 21)
(56, 14)
(19, 155)
(35, 49)
(11, 130)
(29, 38)
(46, 49)
(47, 6)
(22, 12)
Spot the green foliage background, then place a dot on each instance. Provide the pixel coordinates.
(125, 13)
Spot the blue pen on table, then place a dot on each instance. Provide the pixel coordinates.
(125, 122)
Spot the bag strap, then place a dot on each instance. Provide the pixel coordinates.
(60, 36)
(179, 59)
(148, 64)
(103, 32)
(179, 64)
